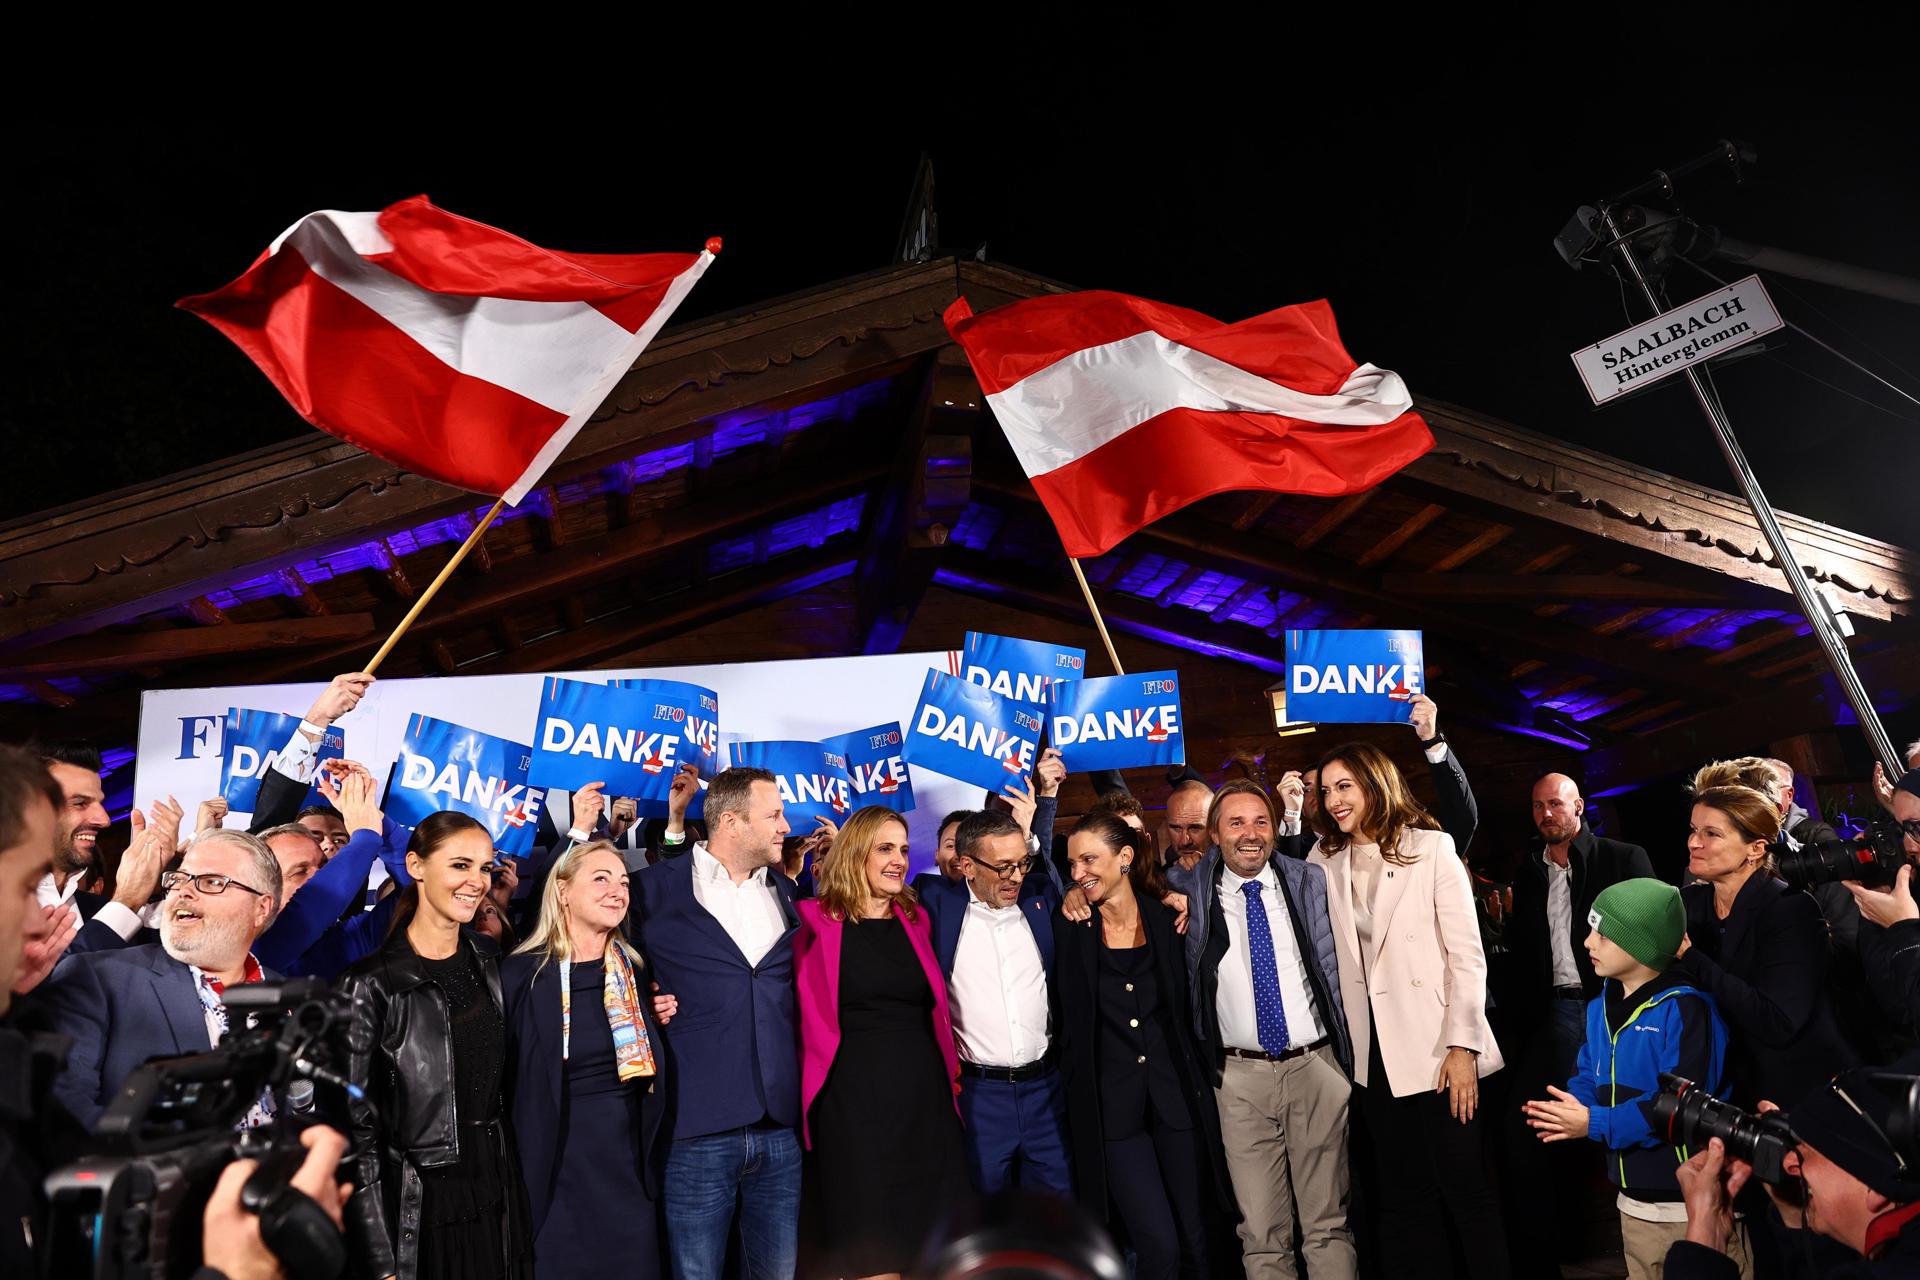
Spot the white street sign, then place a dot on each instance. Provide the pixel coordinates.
(1665, 345)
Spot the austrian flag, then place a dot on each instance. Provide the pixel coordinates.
(1122, 410)
(448, 347)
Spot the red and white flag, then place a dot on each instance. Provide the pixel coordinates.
(1122, 410)
(448, 347)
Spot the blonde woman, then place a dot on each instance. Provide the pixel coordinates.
(1757, 947)
(584, 1075)
(878, 1070)
(1414, 982)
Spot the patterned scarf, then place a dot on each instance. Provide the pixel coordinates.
(632, 1049)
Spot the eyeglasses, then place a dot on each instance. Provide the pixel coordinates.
(1912, 827)
(1010, 870)
(1840, 1092)
(207, 883)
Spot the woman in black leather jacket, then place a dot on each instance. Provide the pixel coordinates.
(437, 1191)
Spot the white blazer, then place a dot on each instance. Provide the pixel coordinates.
(1425, 977)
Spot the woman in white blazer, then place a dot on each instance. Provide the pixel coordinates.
(1414, 981)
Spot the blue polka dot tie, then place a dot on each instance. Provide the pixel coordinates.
(1267, 1007)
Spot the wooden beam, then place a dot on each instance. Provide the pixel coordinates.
(1621, 621)
(205, 612)
(1228, 607)
(1492, 536)
(130, 651)
(1409, 527)
(1506, 588)
(49, 695)
(1193, 574)
(1343, 511)
(552, 517)
(1260, 504)
(1547, 559)
(302, 592)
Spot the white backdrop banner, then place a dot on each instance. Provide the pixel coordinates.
(806, 699)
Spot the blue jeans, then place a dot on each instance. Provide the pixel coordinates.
(751, 1173)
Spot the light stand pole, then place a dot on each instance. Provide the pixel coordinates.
(1819, 615)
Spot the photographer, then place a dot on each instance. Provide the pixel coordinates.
(1860, 1190)
(1889, 938)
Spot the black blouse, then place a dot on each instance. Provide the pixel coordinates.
(1139, 1084)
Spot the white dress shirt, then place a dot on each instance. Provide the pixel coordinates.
(748, 911)
(1233, 999)
(998, 990)
(116, 917)
(1560, 922)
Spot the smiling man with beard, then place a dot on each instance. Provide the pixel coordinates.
(160, 1000)
(108, 924)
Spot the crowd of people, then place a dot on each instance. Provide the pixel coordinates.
(1268, 1033)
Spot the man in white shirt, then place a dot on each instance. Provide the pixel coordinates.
(1266, 996)
(106, 924)
(993, 934)
(717, 930)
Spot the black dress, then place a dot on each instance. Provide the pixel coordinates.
(886, 1138)
(600, 1208)
(466, 1207)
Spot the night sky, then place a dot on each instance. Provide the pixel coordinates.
(1426, 217)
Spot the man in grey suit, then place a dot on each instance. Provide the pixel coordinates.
(161, 1000)
(1266, 1004)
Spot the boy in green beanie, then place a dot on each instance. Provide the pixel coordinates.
(1645, 1022)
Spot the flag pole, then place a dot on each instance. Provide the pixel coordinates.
(438, 581)
(1099, 622)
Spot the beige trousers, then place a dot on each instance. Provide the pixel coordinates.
(1284, 1125)
(1646, 1247)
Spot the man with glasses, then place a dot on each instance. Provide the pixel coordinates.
(993, 933)
(161, 1000)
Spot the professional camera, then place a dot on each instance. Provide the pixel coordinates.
(1688, 1116)
(135, 1209)
(1872, 857)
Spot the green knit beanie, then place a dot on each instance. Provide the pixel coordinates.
(1644, 918)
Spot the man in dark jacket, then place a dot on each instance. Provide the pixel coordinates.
(1548, 983)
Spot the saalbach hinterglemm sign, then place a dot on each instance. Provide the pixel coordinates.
(1704, 328)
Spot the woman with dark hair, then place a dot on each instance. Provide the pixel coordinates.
(437, 1191)
(1145, 1132)
(878, 1069)
(1414, 981)
(584, 1075)
(1757, 947)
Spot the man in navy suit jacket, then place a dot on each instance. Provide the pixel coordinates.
(717, 930)
(126, 1005)
(993, 935)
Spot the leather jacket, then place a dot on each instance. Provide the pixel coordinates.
(401, 1043)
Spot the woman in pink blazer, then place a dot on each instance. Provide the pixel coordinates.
(879, 1073)
(1414, 982)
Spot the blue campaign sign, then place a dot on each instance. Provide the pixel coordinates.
(811, 785)
(969, 732)
(874, 766)
(1019, 669)
(626, 738)
(702, 727)
(1353, 677)
(251, 746)
(1118, 722)
(448, 766)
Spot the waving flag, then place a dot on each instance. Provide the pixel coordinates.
(1122, 410)
(448, 347)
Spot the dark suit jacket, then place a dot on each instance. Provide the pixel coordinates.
(1768, 974)
(734, 1043)
(946, 904)
(1596, 863)
(1076, 1020)
(536, 1085)
(121, 1008)
(95, 936)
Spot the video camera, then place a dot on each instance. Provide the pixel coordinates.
(135, 1209)
(1873, 858)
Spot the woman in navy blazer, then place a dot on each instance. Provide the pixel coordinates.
(584, 1076)
(878, 1068)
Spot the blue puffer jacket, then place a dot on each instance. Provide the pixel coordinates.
(1666, 1025)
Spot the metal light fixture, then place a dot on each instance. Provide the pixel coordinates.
(1277, 699)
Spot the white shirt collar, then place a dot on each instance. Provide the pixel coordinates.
(1231, 879)
(711, 869)
(975, 900)
(51, 895)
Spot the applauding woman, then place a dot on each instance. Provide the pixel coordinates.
(583, 1076)
(436, 1190)
(1145, 1131)
(1414, 981)
(878, 1069)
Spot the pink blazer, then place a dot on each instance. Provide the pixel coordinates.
(816, 973)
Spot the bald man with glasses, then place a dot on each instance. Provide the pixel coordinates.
(993, 934)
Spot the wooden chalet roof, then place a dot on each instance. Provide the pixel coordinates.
(838, 435)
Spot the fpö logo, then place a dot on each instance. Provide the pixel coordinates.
(891, 738)
(1030, 723)
(1163, 685)
(1072, 661)
(661, 711)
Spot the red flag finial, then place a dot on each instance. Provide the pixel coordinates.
(713, 244)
